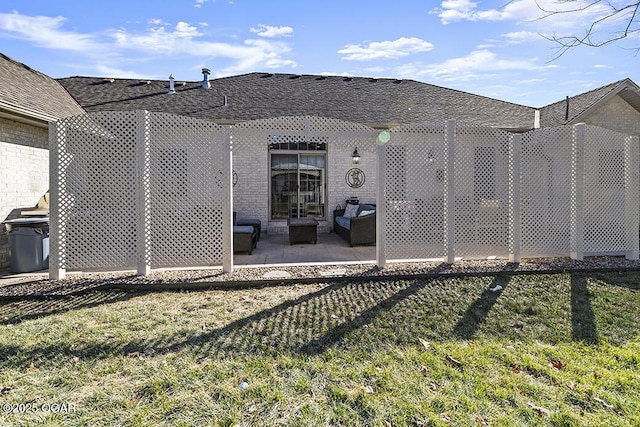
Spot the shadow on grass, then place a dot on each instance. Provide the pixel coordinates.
(583, 321)
(363, 316)
(478, 311)
(12, 312)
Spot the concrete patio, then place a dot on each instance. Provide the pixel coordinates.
(330, 248)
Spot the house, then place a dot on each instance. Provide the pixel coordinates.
(289, 179)
(615, 106)
(29, 101)
(284, 175)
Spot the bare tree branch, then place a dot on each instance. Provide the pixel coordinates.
(623, 19)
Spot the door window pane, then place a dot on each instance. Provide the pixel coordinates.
(297, 186)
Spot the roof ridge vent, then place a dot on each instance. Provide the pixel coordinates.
(206, 84)
(108, 80)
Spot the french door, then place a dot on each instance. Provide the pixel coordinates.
(297, 185)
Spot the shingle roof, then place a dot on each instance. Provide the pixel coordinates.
(30, 92)
(375, 102)
(556, 114)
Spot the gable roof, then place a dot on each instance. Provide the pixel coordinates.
(583, 104)
(28, 95)
(369, 101)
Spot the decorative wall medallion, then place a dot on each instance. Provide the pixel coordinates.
(355, 178)
(219, 178)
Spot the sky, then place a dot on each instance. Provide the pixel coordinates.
(490, 48)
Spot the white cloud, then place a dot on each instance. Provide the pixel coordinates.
(115, 46)
(386, 49)
(520, 10)
(522, 37)
(272, 32)
(198, 4)
(45, 31)
(478, 63)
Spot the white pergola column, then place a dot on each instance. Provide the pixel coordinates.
(515, 220)
(632, 196)
(449, 193)
(143, 190)
(227, 211)
(577, 191)
(57, 231)
(381, 209)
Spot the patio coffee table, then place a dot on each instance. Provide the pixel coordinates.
(302, 230)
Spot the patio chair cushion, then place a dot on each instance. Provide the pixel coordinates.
(343, 222)
(365, 207)
(351, 211)
(254, 222)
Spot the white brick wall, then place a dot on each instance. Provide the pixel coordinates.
(251, 193)
(24, 172)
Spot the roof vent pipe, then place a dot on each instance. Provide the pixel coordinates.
(225, 101)
(172, 89)
(205, 78)
(566, 110)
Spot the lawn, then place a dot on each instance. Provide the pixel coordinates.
(560, 350)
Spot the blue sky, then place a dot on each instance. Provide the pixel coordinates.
(491, 48)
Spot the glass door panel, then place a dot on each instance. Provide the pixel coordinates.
(297, 186)
(284, 184)
(312, 173)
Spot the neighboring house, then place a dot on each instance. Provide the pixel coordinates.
(615, 106)
(29, 100)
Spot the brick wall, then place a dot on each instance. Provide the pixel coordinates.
(24, 172)
(616, 115)
(251, 193)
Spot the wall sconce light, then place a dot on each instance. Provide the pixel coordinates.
(355, 157)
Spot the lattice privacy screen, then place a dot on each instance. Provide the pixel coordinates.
(469, 191)
(610, 190)
(546, 192)
(188, 164)
(137, 188)
(481, 182)
(95, 211)
(415, 176)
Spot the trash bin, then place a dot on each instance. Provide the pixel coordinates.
(28, 244)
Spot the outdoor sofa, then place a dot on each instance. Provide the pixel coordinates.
(357, 226)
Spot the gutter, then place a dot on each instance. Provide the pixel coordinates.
(25, 115)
